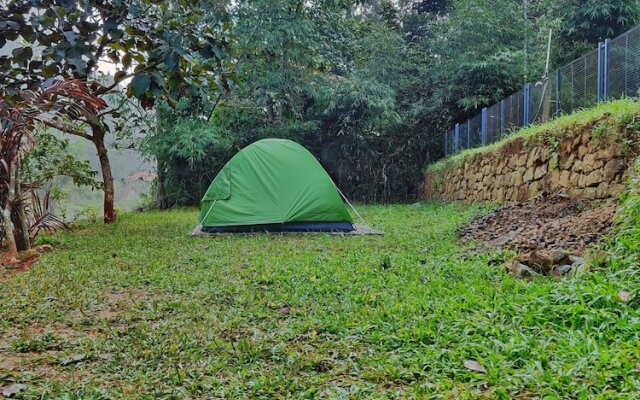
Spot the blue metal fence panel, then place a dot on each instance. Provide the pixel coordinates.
(612, 70)
(456, 139)
(624, 65)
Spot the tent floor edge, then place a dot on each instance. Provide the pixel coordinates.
(283, 227)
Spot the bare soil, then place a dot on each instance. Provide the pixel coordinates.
(546, 222)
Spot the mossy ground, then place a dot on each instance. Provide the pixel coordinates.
(141, 310)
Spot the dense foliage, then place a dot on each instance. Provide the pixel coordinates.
(142, 47)
(369, 86)
(624, 245)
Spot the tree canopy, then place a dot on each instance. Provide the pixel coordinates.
(367, 85)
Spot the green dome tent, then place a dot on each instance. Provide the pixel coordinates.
(273, 185)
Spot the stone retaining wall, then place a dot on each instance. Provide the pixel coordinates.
(587, 161)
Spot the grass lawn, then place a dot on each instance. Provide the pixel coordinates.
(140, 309)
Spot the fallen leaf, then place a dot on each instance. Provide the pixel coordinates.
(73, 359)
(13, 389)
(474, 366)
(623, 295)
(637, 367)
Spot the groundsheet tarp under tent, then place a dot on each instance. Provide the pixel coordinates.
(359, 229)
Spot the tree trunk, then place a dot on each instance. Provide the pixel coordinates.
(7, 211)
(160, 198)
(107, 178)
(23, 241)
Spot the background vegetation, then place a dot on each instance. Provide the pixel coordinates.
(368, 86)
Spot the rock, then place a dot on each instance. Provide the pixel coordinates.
(607, 153)
(533, 189)
(593, 179)
(582, 150)
(76, 358)
(590, 163)
(528, 175)
(590, 193)
(518, 179)
(576, 261)
(534, 157)
(617, 189)
(44, 248)
(568, 163)
(563, 269)
(543, 260)
(519, 270)
(578, 166)
(564, 179)
(522, 160)
(13, 389)
(553, 162)
(602, 191)
(555, 179)
(623, 295)
(540, 171)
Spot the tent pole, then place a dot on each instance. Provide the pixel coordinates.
(207, 214)
(351, 205)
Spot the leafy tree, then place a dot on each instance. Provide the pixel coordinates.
(149, 46)
(61, 100)
(189, 150)
(584, 23)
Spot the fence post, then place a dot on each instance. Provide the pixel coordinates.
(456, 139)
(502, 116)
(604, 59)
(600, 69)
(606, 73)
(446, 144)
(558, 91)
(484, 126)
(527, 105)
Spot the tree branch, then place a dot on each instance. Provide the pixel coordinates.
(66, 129)
(107, 89)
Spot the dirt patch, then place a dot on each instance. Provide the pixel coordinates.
(544, 223)
(20, 266)
(10, 265)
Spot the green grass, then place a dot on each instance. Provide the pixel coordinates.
(620, 113)
(141, 310)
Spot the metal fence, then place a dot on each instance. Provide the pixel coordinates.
(609, 72)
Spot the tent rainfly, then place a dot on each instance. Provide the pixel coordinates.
(273, 185)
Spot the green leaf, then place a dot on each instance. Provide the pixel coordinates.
(118, 76)
(171, 61)
(140, 83)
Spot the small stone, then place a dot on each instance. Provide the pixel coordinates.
(13, 390)
(623, 295)
(576, 261)
(563, 269)
(543, 260)
(519, 270)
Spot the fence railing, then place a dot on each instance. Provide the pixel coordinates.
(612, 70)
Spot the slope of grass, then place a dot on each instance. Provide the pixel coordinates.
(619, 113)
(140, 310)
